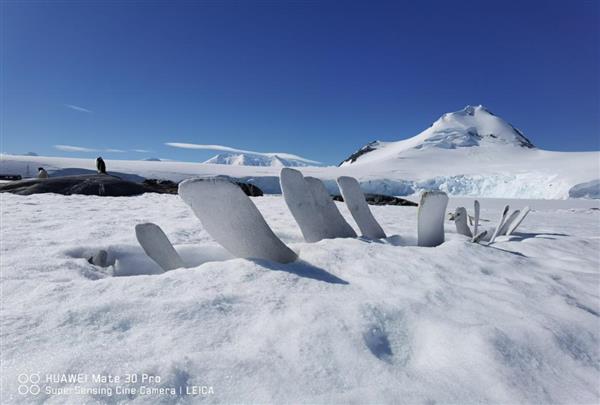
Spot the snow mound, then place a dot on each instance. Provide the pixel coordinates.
(248, 159)
(590, 189)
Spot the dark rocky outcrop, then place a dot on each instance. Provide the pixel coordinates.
(379, 199)
(86, 184)
(160, 186)
(10, 177)
(101, 185)
(170, 187)
(74, 171)
(371, 146)
(250, 189)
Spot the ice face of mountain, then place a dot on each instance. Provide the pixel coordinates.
(469, 127)
(247, 159)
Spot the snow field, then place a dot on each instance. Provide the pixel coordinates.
(352, 321)
(502, 171)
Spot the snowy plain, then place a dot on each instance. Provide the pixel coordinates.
(354, 321)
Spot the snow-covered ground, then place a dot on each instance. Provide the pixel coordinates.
(460, 172)
(352, 322)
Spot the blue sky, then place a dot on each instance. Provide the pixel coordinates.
(317, 79)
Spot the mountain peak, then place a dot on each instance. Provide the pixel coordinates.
(471, 110)
(473, 126)
(474, 109)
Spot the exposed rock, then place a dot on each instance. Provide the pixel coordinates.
(250, 189)
(73, 171)
(160, 186)
(10, 177)
(379, 199)
(102, 185)
(96, 184)
(170, 187)
(371, 146)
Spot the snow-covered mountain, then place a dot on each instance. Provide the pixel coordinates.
(474, 152)
(473, 126)
(249, 159)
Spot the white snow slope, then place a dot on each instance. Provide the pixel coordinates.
(352, 322)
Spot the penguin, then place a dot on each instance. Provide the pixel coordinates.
(100, 165)
(42, 174)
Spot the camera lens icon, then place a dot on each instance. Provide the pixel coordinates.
(28, 384)
(28, 378)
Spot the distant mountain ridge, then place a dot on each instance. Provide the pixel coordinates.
(249, 159)
(473, 126)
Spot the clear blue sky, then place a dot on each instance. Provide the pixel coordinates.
(318, 79)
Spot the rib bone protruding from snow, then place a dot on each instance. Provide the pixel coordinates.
(430, 221)
(477, 209)
(479, 237)
(358, 207)
(335, 223)
(303, 205)
(500, 224)
(157, 246)
(513, 226)
(461, 222)
(233, 220)
(511, 218)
